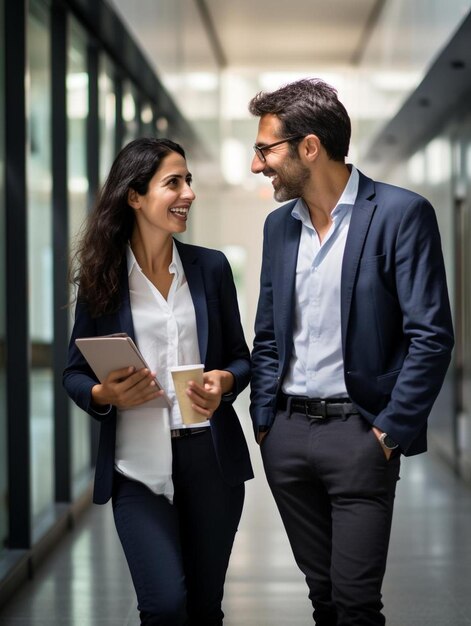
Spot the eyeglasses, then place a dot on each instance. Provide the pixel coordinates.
(259, 150)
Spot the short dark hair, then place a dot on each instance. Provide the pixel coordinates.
(308, 106)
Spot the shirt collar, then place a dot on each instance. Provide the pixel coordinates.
(175, 266)
(350, 192)
(348, 198)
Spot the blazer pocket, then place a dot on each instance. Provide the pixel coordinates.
(378, 259)
(387, 381)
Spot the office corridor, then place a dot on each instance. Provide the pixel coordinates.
(85, 582)
(79, 80)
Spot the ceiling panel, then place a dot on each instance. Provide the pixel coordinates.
(293, 34)
(259, 34)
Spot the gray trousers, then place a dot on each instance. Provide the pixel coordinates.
(335, 491)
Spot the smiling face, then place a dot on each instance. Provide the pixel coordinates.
(166, 204)
(287, 173)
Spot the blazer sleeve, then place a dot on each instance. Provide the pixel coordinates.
(427, 324)
(265, 356)
(78, 378)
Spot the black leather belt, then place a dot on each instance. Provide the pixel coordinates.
(177, 433)
(317, 408)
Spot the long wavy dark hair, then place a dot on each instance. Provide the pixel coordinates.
(100, 250)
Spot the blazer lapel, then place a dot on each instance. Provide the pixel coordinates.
(362, 212)
(194, 276)
(290, 258)
(125, 315)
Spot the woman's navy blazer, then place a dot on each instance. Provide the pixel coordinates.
(221, 344)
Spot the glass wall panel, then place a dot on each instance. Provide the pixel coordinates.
(3, 417)
(462, 319)
(107, 113)
(130, 112)
(77, 113)
(40, 257)
(147, 120)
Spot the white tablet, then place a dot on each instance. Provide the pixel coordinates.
(112, 352)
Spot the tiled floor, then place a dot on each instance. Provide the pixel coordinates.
(85, 582)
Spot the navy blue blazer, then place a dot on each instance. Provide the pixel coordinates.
(397, 333)
(221, 344)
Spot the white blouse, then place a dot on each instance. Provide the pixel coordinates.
(166, 335)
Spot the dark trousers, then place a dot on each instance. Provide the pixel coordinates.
(178, 554)
(335, 490)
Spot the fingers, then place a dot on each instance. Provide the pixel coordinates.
(139, 380)
(205, 399)
(127, 374)
(120, 374)
(261, 436)
(126, 387)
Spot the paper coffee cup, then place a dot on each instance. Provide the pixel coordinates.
(181, 375)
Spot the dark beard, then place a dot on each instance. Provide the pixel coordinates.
(292, 183)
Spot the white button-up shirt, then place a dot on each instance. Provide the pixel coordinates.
(316, 365)
(166, 334)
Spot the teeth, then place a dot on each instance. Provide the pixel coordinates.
(180, 210)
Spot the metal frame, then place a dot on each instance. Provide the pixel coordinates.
(60, 202)
(17, 336)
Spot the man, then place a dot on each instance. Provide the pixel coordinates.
(353, 337)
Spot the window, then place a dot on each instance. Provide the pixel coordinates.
(107, 115)
(3, 417)
(147, 120)
(77, 113)
(40, 258)
(130, 113)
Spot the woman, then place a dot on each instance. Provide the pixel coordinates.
(177, 491)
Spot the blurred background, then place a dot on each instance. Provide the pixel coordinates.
(80, 78)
